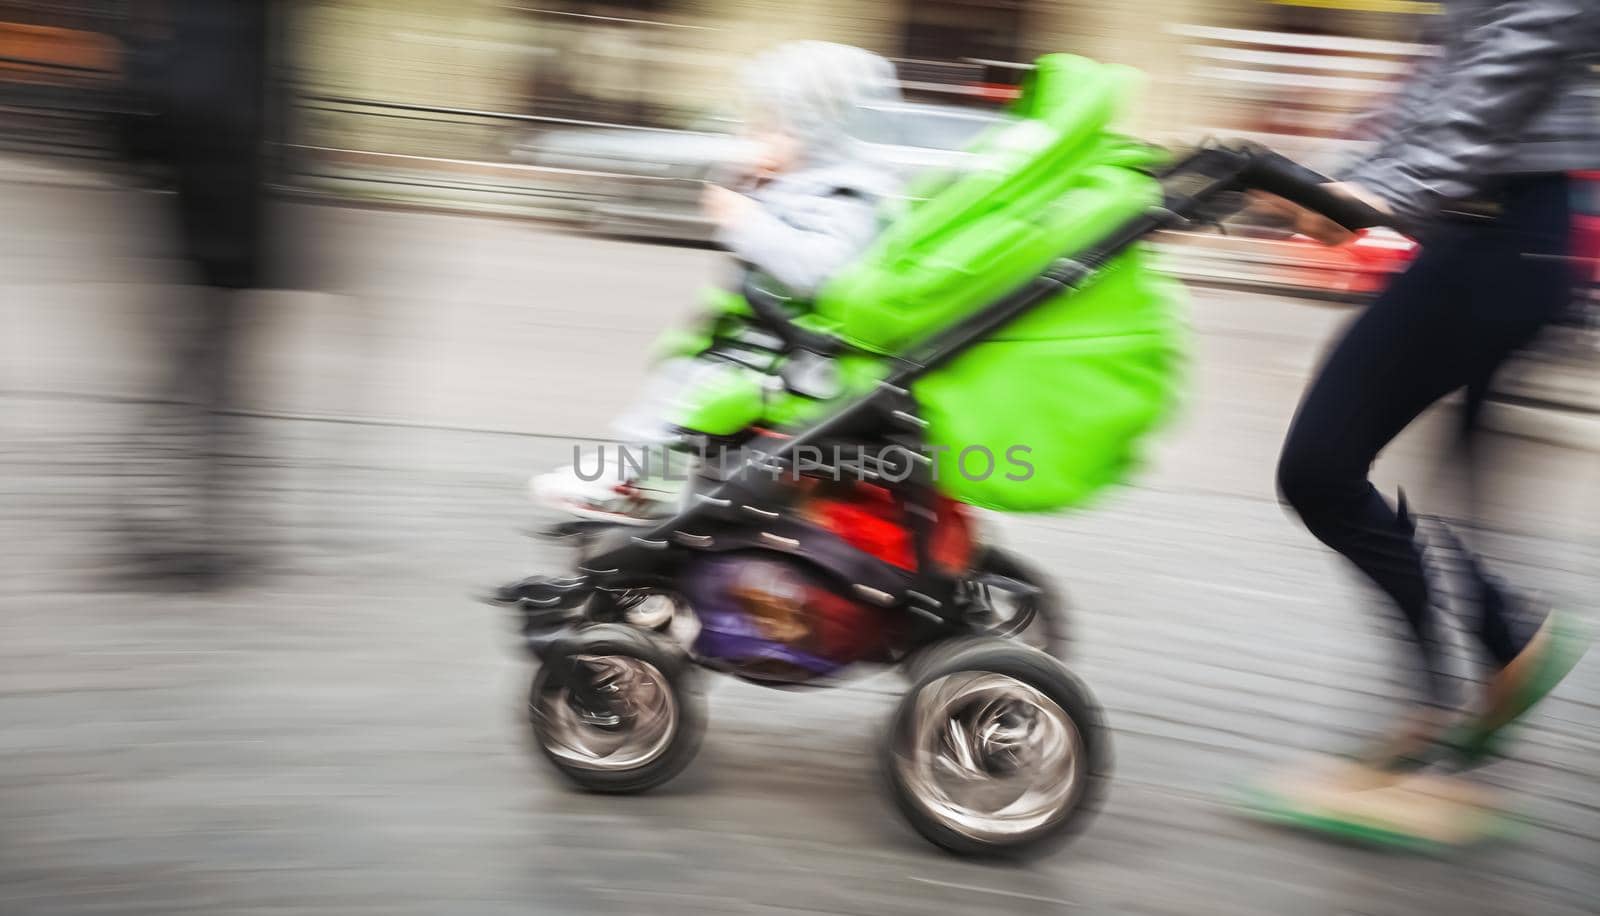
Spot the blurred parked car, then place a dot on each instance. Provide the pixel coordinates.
(647, 182)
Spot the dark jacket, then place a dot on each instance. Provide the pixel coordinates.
(200, 94)
(1511, 90)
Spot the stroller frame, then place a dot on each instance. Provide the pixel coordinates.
(1203, 186)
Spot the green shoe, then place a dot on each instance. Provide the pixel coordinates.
(1552, 653)
(1419, 813)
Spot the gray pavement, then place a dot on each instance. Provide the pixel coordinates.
(341, 735)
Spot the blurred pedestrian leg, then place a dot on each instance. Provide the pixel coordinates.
(204, 81)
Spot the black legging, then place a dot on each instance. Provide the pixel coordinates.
(1481, 288)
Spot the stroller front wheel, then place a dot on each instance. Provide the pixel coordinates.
(614, 709)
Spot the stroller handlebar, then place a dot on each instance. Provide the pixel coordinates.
(1280, 175)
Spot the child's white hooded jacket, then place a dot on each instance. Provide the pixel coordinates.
(823, 213)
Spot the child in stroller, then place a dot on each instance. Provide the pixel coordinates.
(808, 204)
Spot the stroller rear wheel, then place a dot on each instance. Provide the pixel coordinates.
(614, 709)
(997, 750)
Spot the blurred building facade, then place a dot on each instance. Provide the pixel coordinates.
(446, 78)
(672, 62)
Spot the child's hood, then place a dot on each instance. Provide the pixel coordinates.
(819, 93)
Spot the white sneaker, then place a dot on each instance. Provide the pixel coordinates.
(629, 502)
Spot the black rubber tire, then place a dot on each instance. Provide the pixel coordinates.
(648, 646)
(1050, 677)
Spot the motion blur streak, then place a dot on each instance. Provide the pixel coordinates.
(295, 295)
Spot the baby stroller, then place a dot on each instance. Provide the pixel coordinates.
(827, 525)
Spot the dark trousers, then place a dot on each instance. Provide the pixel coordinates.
(1482, 287)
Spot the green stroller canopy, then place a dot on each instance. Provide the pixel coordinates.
(1050, 410)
